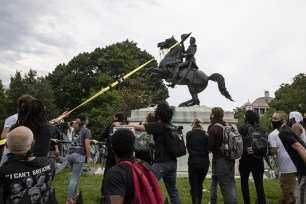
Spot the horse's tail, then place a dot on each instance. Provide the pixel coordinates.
(221, 84)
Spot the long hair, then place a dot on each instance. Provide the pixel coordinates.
(32, 115)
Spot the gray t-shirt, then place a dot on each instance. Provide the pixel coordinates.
(78, 141)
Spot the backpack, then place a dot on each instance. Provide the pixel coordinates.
(232, 145)
(142, 142)
(175, 143)
(257, 144)
(146, 186)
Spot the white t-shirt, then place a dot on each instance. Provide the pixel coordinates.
(284, 161)
(69, 133)
(8, 123)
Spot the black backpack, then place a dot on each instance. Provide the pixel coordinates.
(175, 143)
(257, 144)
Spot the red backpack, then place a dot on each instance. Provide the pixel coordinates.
(146, 186)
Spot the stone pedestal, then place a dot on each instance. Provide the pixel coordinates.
(184, 116)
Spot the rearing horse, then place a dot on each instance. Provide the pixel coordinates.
(195, 80)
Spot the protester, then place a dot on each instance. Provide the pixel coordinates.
(10, 121)
(24, 175)
(32, 115)
(222, 166)
(164, 165)
(249, 163)
(294, 119)
(78, 151)
(286, 168)
(148, 155)
(119, 181)
(198, 160)
(70, 129)
(110, 157)
(295, 147)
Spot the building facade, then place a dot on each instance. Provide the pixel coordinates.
(260, 105)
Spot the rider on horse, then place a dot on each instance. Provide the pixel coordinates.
(190, 61)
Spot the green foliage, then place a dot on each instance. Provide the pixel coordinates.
(30, 84)
(3, 104)
(291, 97)
(88, 73)
(239, 115)
(265, 120)
(90, 186)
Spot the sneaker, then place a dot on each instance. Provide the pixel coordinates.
(75, 196)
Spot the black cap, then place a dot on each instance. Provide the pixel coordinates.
(81, 117)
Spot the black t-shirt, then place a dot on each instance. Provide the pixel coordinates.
(196, 142)
(119, 181)
(42, 137)
(159, 133)
(288, 138)
(78, 141)
(27, 181)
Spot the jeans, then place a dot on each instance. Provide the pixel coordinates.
(167, 171)
(214, 190)
(256, 166)
(76, 162)
(196, 175)
(223, 171)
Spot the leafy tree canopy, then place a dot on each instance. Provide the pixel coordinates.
(87, 73)
(30, 84)
(291, 97)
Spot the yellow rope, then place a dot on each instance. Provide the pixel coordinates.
(2, 142)
(105, 89)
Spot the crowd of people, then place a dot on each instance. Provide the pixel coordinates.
(26, 172)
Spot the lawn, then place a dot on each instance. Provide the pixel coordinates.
(90, 186)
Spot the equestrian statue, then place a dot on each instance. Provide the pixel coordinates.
(174, 70)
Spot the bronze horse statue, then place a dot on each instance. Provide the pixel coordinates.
(196, 80)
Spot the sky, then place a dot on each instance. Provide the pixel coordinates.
(256, 45)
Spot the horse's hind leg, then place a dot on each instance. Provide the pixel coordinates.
(195, 99)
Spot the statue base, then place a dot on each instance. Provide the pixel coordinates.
(184, 116)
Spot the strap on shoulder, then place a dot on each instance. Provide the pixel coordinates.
(220, 125)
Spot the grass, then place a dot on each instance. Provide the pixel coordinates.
(90, 186)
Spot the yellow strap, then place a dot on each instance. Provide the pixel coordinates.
(2, 142)
(206, 190)
(107, 88)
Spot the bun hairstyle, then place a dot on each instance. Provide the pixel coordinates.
(197, 123)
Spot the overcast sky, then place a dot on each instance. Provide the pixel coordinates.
(255, 45)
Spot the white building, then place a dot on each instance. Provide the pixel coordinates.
(260, 105)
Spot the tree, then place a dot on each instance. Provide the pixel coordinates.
(87, 73)
(239, 115)
(3, 105)
(291, 97)
(30, 84)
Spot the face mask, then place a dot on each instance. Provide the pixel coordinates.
(276, 124)
(304, 120)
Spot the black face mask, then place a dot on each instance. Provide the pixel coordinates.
(304, 120)
(276, 124)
